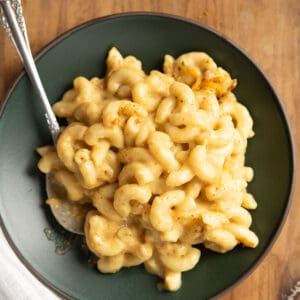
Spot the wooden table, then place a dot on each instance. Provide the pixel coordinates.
(269, 30)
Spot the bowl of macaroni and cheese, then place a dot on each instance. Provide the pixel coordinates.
(170, 152)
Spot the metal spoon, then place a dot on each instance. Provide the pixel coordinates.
(12, 20)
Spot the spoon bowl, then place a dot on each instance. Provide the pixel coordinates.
(69, 215)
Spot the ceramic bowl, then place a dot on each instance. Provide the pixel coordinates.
(27, 222)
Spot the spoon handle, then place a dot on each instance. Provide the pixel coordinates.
(15, 27)
(17, 6)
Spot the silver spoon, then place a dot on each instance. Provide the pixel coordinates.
(12, 20)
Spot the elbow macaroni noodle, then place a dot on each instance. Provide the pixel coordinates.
(161, 157)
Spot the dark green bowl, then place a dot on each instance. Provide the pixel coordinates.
(82, 51)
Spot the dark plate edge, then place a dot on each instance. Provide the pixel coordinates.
(199, 24)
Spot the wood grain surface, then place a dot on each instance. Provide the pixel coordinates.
(269, 30)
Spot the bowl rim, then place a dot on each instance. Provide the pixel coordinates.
(78, 27)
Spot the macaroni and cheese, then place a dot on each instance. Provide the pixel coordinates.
(161, 158)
